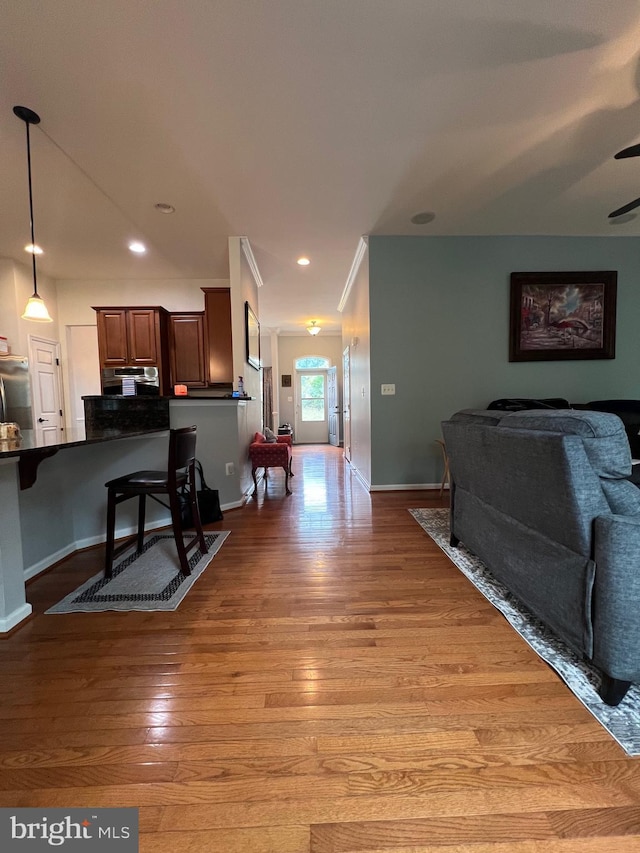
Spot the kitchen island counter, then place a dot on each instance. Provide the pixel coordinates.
(30, 442)
(54, 503)
(31, 449)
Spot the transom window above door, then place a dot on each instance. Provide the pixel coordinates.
(312, 362)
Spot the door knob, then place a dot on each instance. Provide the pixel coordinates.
(43, 420)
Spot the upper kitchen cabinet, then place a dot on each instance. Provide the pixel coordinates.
(113, 346)
(134, 336)
(187, 349)
(217, 314)
(147, 329)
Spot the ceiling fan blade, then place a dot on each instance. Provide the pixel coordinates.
(631, 151)
(625, 209)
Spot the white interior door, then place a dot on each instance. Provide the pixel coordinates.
(84, 371)
(333, 406)
(44, 363)
(312, 426)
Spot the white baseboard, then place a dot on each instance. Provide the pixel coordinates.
(41, 565)
(360, 476)
(90, 541)
(7, 623)
(406, 487)
(236, 504)
(393, 487)
(81, 544)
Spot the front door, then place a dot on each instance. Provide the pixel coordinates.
(312, 425)
(47, 399)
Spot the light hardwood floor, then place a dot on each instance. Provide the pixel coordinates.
(330, 684)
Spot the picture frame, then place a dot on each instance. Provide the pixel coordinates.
(562, 316)
(252, 329)
(286, 380)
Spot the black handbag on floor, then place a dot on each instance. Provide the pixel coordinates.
(208, 502)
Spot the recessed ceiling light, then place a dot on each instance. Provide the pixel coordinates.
(423, 218)
(34, 250)
(164, 208)
(304, 262)
(137, 248)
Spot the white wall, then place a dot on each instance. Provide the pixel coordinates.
(76, 297)
(244, 288)
(356, 336)
(16, 286)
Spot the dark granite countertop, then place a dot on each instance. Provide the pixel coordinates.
(131, 398)
(226, 399)
(29, 444)
(215, 399)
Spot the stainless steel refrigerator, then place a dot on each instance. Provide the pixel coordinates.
(15, 391)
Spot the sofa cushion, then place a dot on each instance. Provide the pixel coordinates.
(603, 435)
(622, 496)
(629, 413)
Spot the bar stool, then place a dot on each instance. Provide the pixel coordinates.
(180, 473)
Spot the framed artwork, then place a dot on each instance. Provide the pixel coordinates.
(286, 380)
(561, 316)
(252, 327)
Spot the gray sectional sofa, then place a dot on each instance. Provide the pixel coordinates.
(543, 498)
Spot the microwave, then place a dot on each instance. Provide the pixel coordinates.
(131, 381)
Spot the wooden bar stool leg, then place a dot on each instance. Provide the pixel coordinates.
(197, 523)
(176, 521)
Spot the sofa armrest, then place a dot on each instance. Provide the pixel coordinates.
(616, 599)
(284, 439)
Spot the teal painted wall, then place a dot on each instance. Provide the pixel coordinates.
(439, 315)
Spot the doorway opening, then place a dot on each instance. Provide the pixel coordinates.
(311, 408)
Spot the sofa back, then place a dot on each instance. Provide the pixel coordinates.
(553, 471)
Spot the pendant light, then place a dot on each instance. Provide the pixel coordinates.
(313, 329)
(36, 309)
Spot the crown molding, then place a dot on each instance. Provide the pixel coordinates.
(363, 245)
(248, 253)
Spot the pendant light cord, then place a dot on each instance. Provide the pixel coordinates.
(33, 238)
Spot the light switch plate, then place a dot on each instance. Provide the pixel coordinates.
(388, 389)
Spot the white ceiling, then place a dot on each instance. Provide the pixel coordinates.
(304, 124)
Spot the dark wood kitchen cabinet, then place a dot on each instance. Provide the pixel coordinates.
(134, 336)
(218, 336)
(113, 347)
(187, 359)
(147, 328)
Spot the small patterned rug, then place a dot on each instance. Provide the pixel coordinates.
(150, 580)
(623, 722)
